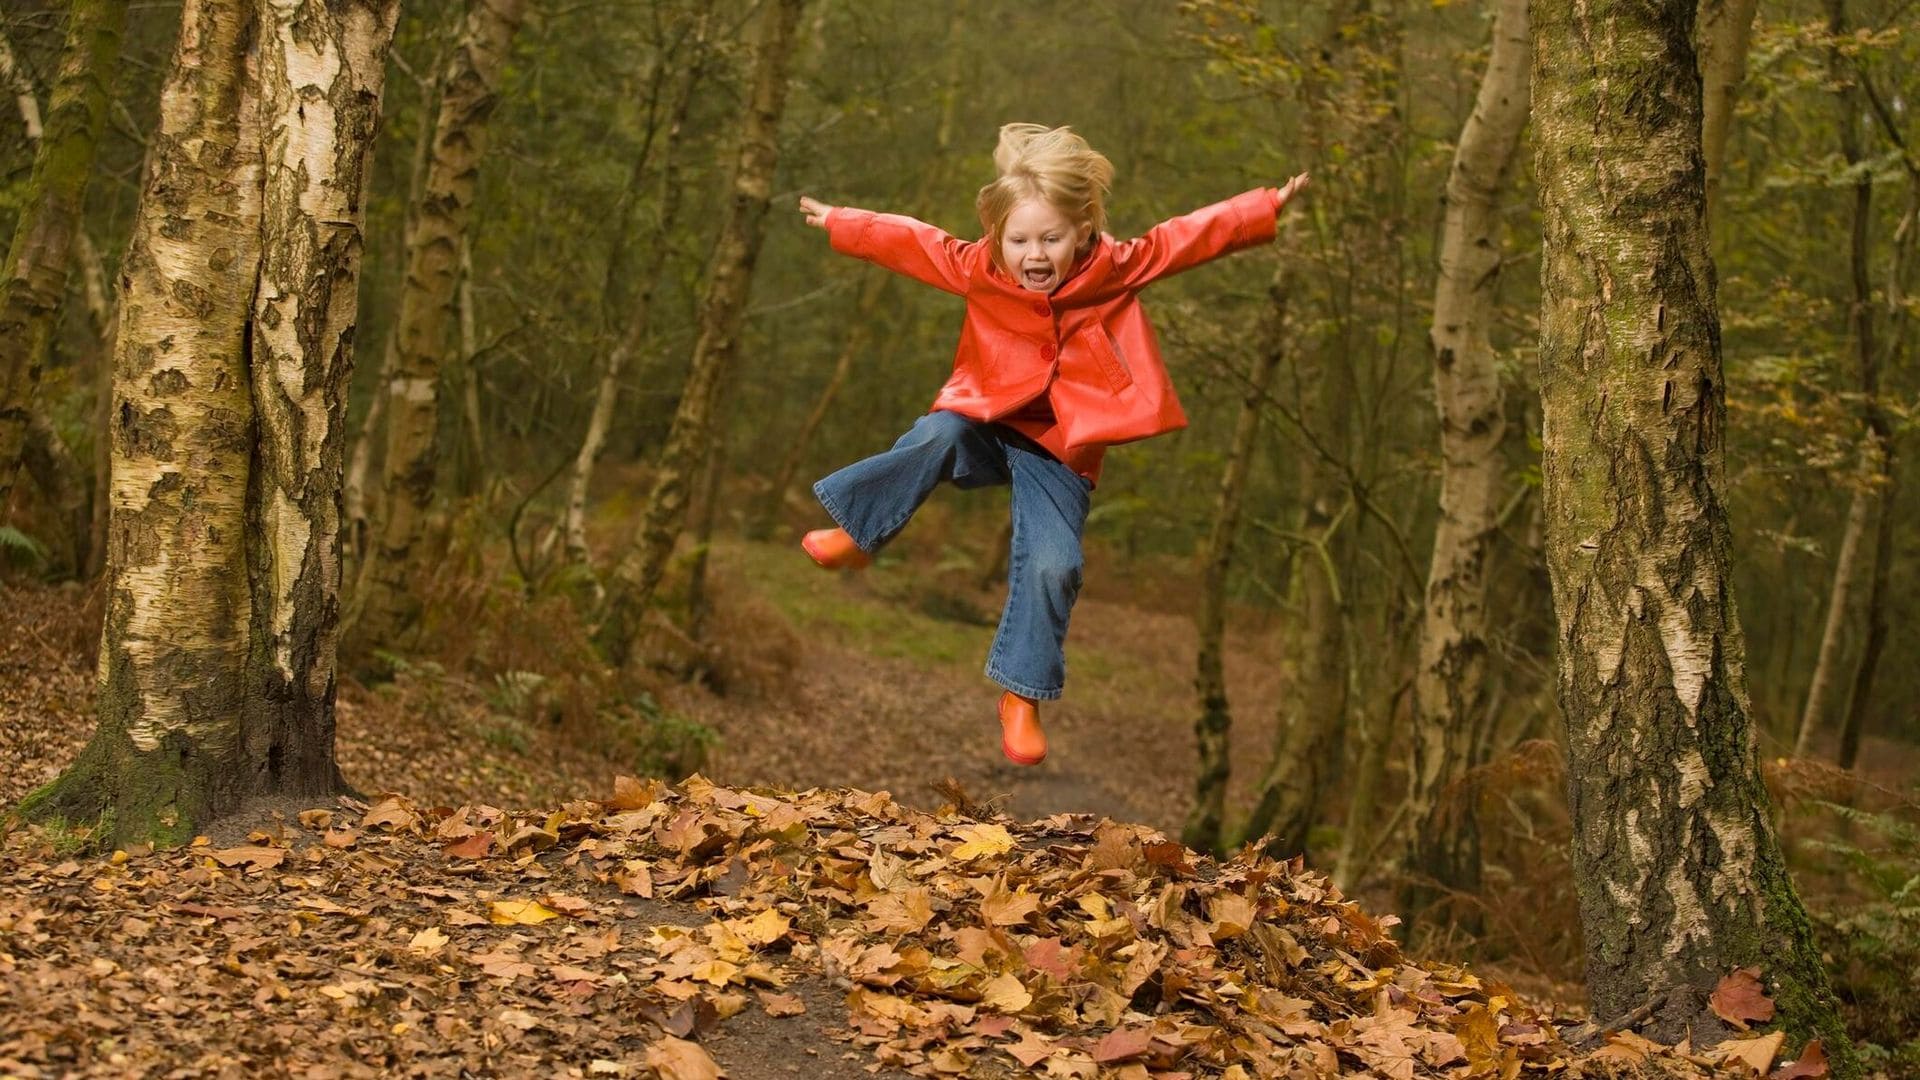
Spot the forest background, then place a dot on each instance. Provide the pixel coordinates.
(528, 603)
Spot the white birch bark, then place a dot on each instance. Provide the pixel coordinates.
(1450, 685)
(323, 71)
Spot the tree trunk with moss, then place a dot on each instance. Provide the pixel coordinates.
(168, 753)
(232, 355)
(1679, 873)
(1206, 822)
(385, 607)
(323, 66)
(722, 307)
(1450, 685)
(34, 279)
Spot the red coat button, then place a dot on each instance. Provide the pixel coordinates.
(1047, 352)
(1040, 307)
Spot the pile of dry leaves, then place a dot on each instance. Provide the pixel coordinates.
(396, 940)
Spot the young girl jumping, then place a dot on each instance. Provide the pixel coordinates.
(1056, 363)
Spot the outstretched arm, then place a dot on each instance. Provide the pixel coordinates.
(1185, 242)
(899, 243)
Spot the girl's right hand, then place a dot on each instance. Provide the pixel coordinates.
(816, 211)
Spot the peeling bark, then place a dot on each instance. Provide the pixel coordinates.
(323, 69)
(34, 280)
(1450, 686)
(721, 309)
(1679, 873)
(385, 606)
(173, 652)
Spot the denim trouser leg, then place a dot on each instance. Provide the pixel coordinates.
(1043, 573)
(874, 498)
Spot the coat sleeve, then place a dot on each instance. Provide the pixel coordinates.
(903, 245)
(1182, 243)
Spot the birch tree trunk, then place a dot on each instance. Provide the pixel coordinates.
(1680, 876)
(1309, 743)
(173, 653)
(729, 282)
(1206, 823)
(360, 457)
(1450, 686)
(1726, 28)
(384, 607)
(1899, 319)
(1864, 506)
(640, 306)
(466, 366)
(217, 657)
(323, 69)
(34, 279)
(105, 324)
(15, 79)
(1846, 568)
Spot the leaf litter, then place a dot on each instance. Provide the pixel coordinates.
(620, 938)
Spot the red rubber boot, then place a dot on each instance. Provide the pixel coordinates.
(1021, 737)
(834, 549)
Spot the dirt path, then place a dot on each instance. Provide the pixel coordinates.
(881, 697)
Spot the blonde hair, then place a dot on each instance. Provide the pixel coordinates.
(1052, 164)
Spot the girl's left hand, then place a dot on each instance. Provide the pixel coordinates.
(816, 211)
(1292, 188)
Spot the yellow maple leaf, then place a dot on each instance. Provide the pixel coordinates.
(427, 942)
(677, 1059)
(520, 912)
(1756, 1053)
(1003, 908)
(979, 840)
(763, 929)
(716, 972)
(1005, 994)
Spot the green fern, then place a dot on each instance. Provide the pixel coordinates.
(1872, 935)
(21, 547)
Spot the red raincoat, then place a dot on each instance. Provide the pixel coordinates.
(1077, 370)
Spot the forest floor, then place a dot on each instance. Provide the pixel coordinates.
(982, 920)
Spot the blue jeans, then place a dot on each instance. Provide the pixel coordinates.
(874, 498)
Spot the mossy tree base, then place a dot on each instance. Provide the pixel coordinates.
(119, 795)
(123, 796)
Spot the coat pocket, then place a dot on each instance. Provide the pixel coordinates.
(1108, 357)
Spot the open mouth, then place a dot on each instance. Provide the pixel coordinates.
(1037, 277)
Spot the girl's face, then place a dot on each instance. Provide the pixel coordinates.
(1038, 243)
